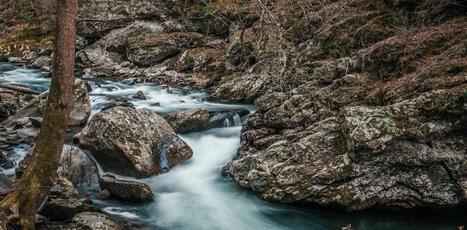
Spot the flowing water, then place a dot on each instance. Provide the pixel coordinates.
(194, 195)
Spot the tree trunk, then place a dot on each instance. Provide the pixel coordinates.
(32, 188)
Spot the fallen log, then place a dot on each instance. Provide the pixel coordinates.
(18, 88)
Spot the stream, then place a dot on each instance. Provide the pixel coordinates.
(194, 195)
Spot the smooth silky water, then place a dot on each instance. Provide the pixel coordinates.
(194, 195)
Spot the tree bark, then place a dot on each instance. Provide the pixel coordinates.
(32, 188)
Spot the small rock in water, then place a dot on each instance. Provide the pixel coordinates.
(169, 91)
(22, 122)
(156, 104)
(126, 190)
(104, 194)
(43, 63)
(36, 121)
(139, 95)
(188, 120)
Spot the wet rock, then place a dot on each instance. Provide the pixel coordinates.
(139, 95)
(225, 118)
(23, 122)
(126, 190)
(5, 162)
(97, 221)
(104, 194)
(15, 60)
(74, 166)
(133, 142)
(80, 109)
(36, 121)
(43, 63)
(188, 120)
(63, 202)
(5, 183)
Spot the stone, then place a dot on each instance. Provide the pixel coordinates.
(392, 156)
(74, 166)
(97, 221)
(104, 194)
(43, 63)
(5, 183)
(188, 120)
(126, 190)
(63, 203)
(132, 142)
(36, 121)
(139, 95)
(80, 109)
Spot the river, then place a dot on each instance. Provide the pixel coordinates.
(194, 195)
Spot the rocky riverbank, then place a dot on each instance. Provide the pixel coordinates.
(360, 104)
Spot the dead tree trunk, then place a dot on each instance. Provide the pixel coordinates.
(35, 183)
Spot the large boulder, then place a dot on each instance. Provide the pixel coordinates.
(132, 142)
(126, 190)
(188, 120)
(80, 108)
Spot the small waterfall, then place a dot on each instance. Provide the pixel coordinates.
(164, 164)
(227, 122)
(237, 121)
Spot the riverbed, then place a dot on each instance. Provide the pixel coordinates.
(194, 195)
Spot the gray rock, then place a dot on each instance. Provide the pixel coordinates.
(126, 190)
(80, 109)
(36, 121)
(5, 183)
(394, 156)
(43, 63)
(188, 120)
(15, 60)
(104, 194)
(139, 95)
(63, 202)
(74, 166)
(133, 142)
(96, 221)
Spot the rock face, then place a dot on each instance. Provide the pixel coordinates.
(407, 154)
(188, 120)
(80, 109)
(126, 190)
(133, 142)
